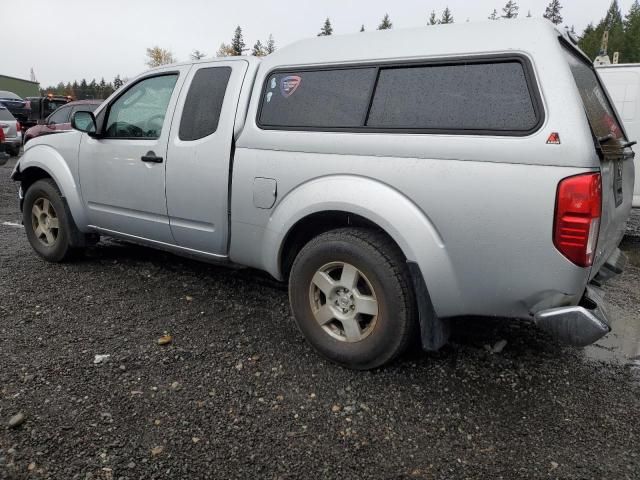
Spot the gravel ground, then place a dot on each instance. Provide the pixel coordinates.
(238, 393)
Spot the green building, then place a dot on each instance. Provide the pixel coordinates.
(24, 88)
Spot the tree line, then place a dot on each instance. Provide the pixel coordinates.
(624, 37)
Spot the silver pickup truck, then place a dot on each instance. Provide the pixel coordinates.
(395, 179)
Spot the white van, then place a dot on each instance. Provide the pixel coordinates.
(623, 83)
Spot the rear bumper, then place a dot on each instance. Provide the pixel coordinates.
(587, 322)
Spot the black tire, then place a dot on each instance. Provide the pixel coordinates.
(14, 151)
(60, 248)
(383, 268)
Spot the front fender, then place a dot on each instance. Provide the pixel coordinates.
(397, 215)
(48, 159)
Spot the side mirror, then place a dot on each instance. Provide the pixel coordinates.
(84, 122)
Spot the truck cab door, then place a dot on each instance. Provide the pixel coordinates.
(199, 156)
(122, 171)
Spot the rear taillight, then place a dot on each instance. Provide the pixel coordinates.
(18, 127)
(577, 220)
(1, 135)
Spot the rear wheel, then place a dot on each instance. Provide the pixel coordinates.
(46, 222)
(351, 296)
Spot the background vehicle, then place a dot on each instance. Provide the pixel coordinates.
(41, 107)
(12, 132)
(3, 155)
(18, 107)
(60, 120)
(623, 83)
(396, 179)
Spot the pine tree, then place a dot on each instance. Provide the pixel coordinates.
(326, 29)
(258, 50)
(632, 33)
(197, 55)
(552, 13)
(362, 28)
(237, 42)
(591, 39)
(433, 20)
(494, 15)
(447, 17)
(510, 10)
(271, 45)
(385, 24)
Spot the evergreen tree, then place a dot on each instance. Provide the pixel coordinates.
(385, 24)
(362, 28)
(447, 17)
(510, 10)
(632, 34)
(591, 39)
(237, 43)
(326, 29)
(271, 45)
(494, 15)
(552, 13)
(258, 50)
(433, 20)
(117, 83)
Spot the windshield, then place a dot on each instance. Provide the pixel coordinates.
(9, 95)
(600, 113)
(6, 114)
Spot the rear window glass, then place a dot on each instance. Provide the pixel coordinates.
(599, 111)
(204, 101)
(317, 99)
(475, 96)
(5, 114)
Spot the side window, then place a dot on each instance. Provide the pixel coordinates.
(317, 99)
(475, 96)
(60, 116)
(203, 104)
(140, 111)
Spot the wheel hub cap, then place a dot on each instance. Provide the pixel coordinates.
(343, 302)
(44, 221)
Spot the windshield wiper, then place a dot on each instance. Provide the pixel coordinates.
(629, 144)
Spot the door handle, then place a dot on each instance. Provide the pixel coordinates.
(151, 157)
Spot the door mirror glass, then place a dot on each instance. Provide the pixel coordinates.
(84, 122)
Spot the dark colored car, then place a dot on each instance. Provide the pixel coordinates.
(18, 107)
(60, 120)
(41, 107)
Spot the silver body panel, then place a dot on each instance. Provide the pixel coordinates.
(474, 212)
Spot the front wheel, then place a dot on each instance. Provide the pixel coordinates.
(351, 296)
(46, 222)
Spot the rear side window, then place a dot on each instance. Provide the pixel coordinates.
(204, 101)
(317, 99)
(478, 96)
(599, 111)
(60, 116)
(489, 96)
(5, 114)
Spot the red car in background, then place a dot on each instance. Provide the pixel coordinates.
(60, 120)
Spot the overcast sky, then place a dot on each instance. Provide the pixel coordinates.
(69, 40)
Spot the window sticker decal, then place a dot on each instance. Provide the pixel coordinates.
(269, 95)
(288, 85)
(273, 83)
